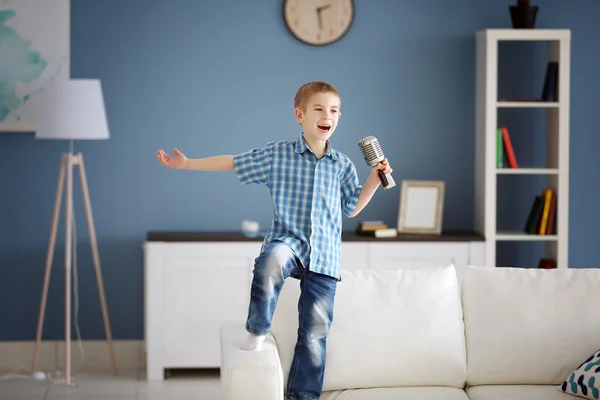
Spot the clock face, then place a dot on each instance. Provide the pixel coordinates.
(318, 22)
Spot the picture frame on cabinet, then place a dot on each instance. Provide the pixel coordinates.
(421, 207)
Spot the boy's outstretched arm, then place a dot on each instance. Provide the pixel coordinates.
(370, 186)
(180, 161)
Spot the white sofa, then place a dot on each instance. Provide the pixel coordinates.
(420, 334)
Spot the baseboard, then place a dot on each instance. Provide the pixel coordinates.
(128, 353)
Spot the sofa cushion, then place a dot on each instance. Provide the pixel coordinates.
(585, 380)
(529, 326)
(516, 392)
(412, 393)
(390, 328)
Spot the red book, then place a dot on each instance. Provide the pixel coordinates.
(510, 153)
(550, 230)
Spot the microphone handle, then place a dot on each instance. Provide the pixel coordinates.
(386, 180)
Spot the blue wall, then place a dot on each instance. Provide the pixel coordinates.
(219, 77)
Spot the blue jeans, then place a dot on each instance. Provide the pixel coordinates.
(315, 315)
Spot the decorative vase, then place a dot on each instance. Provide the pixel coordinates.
(523, 17)
(547, 263)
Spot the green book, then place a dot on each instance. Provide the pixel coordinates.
(499, 149)
(535, 214)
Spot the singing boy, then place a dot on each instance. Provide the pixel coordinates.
(311, 186)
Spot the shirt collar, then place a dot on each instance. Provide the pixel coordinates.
(302, 146)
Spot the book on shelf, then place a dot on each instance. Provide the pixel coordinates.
(505, 149)
(542, 214)
(550, 89)
(371, 225)
(380, 233)
(377, 229)
(499, 149)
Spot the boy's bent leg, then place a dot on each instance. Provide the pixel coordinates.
(315, 316)
(271, 268)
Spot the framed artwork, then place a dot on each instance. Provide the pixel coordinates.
(421, 207)
(34, 50)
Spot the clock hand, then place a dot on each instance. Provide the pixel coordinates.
(319, 9)
(320, 19)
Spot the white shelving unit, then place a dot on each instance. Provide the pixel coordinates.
(556, 171)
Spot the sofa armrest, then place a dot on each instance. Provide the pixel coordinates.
(249, 374)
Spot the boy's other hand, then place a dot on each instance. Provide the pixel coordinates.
(177, 162)
(382, 166)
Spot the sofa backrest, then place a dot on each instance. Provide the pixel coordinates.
(529, 326)
(391, 328)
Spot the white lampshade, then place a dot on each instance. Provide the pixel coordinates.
(72, 109)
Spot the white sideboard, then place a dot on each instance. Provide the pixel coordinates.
(196, 281)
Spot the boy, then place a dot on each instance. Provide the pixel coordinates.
(311, 186)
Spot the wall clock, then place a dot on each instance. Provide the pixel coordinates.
(318, 22)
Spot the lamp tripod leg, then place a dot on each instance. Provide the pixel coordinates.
(96, 258)
(68, 266)
(49, 257)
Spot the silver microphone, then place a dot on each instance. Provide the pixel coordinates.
(373, 155)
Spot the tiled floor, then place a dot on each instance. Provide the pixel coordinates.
(102, 385)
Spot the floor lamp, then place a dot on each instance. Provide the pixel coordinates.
(71, 110)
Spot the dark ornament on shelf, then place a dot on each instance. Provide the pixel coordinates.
(523, 15)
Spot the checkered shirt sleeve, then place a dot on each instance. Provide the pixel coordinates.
(254, 166)
(350, 189)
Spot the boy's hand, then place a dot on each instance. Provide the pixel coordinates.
(179, 162)
(382, 166)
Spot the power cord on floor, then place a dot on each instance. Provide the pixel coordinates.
(57, 376)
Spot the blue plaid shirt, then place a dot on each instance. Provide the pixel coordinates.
(309, 196)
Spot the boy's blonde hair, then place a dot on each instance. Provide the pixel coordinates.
(310, 88)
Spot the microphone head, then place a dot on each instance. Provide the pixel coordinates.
(371, 151)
